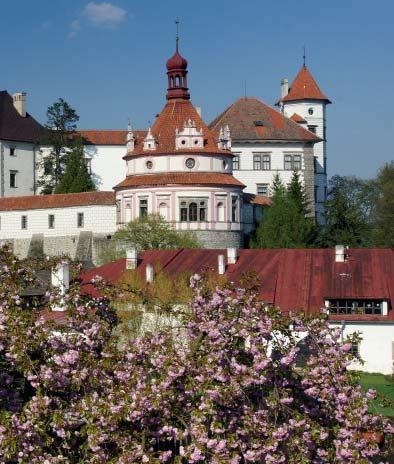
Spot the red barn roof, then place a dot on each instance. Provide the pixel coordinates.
(292, 279)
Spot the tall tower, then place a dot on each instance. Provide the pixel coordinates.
(304, 98)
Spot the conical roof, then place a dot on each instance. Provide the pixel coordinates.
(304, 87)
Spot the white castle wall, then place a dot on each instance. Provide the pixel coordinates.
(22, 162)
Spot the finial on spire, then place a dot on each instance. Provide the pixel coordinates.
(304, 56)
(177, 33)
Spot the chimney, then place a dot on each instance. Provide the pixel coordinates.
(131, 258)
(60, 278)
(284, 87)
(340, 253)
(19, 100)
(231, 255)
(149, 273)
(198, 109)
(221, 265)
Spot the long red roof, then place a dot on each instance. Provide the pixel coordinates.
(304, 87)
(60, 200)
(292, 279)
(108, 137)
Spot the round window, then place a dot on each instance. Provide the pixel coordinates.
(149, 165)
(190, 163)
(310, 111)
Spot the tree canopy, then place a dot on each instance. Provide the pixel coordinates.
(59, 137)
(148, 232)
(224, 386)
(76, 177)
(285, 223)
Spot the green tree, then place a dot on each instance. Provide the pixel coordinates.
(284, 223)
(149, 232)
(76, 177)
(296, 191)
(59, 136)
(348, 212)
(383, 214)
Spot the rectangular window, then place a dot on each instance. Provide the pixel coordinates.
(236, 162)
(234, 209)
(292, 162)
(51, 221)
(48, 168)
(262, 189)
(23, 222)
(80, 220)
(355, 349)
(373, 307)
(266, 162)
(143, 207)
(13, 175)
(312, 129)
(288, 163)
(12, 151)
(257, 162)
(315, 164)
(88, 162)
(118, 212)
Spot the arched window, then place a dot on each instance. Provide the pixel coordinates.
(163, 211)
(193, 211)
(177, 81)
(171, 82)
(220, 212)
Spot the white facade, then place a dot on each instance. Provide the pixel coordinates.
(65, 221)
(259, 178)
(377, 345)
(17, 171)
(314, 113)
(107, 164)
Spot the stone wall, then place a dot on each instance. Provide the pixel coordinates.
(219, 238)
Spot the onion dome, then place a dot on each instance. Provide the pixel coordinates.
(176, 61)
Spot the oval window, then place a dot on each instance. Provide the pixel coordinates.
(190, 163)
(149, 165)
(310, 111)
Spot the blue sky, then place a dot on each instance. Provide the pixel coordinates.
(107, 59)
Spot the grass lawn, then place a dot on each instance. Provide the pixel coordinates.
(384, 386)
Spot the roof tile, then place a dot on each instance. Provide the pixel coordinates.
(304, 87)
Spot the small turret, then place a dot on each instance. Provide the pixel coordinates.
(130, 138)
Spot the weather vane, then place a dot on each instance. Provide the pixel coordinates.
(177, 32)
(304, 55)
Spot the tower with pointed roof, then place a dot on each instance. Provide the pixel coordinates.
(306, 104)
(183, 171)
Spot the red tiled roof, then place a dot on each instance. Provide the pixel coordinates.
(57, 201)
(15, 127)
(297, 118)
(176, 112)
(252, 199)
(304, 87)
(108, 137)
(180, 178)
(292, 279)
(251, 119)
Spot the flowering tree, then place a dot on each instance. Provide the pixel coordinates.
(228, 390)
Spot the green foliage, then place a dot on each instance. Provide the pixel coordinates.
(383, 214)
(348, 212)
(384, 386)
(76, 177)
(285, 224)
(60, 127)
(149, 232)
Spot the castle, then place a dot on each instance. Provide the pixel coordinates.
(210, 179)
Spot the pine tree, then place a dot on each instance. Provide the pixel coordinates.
(76, 177)
(284, 224)
(59, 135)
(296, 191)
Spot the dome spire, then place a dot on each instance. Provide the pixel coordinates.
(177, 73)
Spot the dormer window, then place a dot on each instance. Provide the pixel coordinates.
(357, 306)
(189, 136)
(149, 141)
